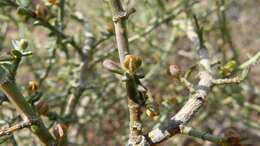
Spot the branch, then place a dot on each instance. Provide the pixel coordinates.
(196, 100)
(81, 87)
(24, 124)
(251, 61)
(26, 111)
(159, 21)
(188, 85)
(52, 28)
(120, 15)
(199, 134)
(234, 80)
(252, 106)
(120, 28)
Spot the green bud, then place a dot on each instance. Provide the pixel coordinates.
(228, 68)
(23, 44)
(34, 128)
(112, 66)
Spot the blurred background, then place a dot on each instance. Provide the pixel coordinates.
(158, 33)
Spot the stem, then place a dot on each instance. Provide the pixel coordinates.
(7, 131)
(123, 50)
(27, 113)
(120, 29)
(252, 61)
(61, 14)
(203, 135)
(186, 113)
(74, 98)
(52, 28)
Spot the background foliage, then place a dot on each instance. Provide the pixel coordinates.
(158, 32)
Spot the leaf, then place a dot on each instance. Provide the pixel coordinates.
(15, 44)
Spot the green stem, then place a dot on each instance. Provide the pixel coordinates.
(203, 135)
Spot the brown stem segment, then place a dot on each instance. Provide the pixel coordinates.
(120, 28)
(27, 113)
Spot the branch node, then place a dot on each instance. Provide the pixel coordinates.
(123, 15)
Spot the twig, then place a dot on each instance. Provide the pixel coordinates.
(188, 85)
(48, 69)
(52, 28)
(233, 80)
(158, 21)
(120, 29)
(195, 102)
(123, 50)
(24, 124)
(87, 52)
(252, 106)
(168, 47)
(27, 113)
(225, 29)
(199, 134)
(251, 61)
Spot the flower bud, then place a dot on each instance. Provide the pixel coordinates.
(33, 86)
(112, 66)
(41, 11)
(53, 2)
(231, 137)
(35, 128)
(174, 70)
(42, 108)
(60, 131)
(132, 63)
(23, 44)
(228, 68)
(152, 111)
